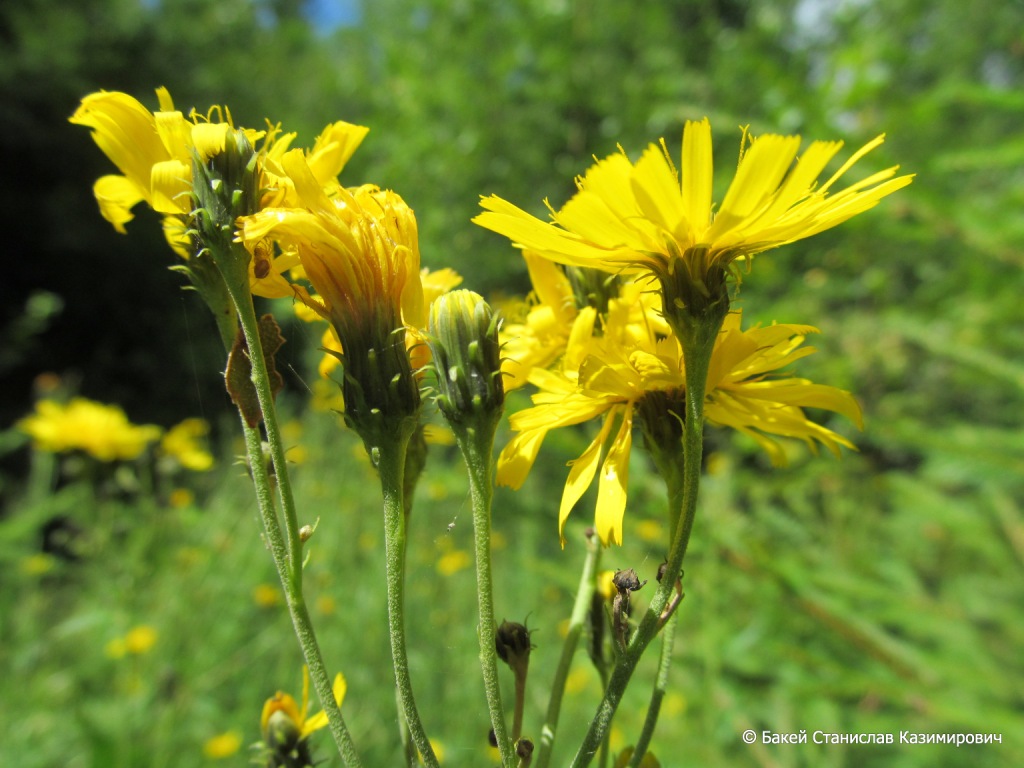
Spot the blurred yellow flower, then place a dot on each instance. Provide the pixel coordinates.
(453, 562)
(140, 639)
(326, 605)
(137, 641)
(650, 531)
(438, 748)
(37, 564)
(266, 595)
(102, 431)
(182, 443)
(579, 679)
(180, 498)
(222, 745)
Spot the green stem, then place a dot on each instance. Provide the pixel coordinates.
(476, 445)
(698, 341)
(390, 460)
(668, 636)
(580, 609)
(286, 550)
(517, 713)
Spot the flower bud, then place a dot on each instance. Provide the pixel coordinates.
(225, 184)
(463, 339)
(512, 642)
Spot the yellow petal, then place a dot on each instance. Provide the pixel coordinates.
(116, 196)
(333, 148)
(319, 720)
(582, 474)
(171, 185)
(611, 488)
(125, 131)
(697, 178)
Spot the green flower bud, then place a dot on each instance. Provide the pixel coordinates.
(226, 185)
(463, 339)
(593, 287)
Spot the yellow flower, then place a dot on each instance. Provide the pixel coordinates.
(38, 564)
(284, 724)
(137, 641)
(359, 248)
(266, 595)
(182, 443)
(541, 339)
(153, 152)
(102, 431)
(180, 498)
(643, 217)
(453, 562)
(222, 745)
(622, 373)
(140, 639)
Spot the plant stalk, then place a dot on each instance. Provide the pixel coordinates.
(580, 609)
(476, 446)
(390, 459)
(698, 341)
(286, 547)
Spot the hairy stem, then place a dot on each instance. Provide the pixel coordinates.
(698, 341)
(390, 460)
(580, 609)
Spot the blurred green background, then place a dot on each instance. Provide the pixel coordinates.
(877, 594)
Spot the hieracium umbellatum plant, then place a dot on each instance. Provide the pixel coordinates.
(631, 323)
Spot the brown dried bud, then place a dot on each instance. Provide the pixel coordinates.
(512, 643)
(524, 750)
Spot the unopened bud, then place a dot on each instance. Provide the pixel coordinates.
(463, 340)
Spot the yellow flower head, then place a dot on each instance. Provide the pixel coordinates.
(284, 724)
(102, 431)
(154, 153)
(644, 217)
(182, 443)
(222, 745)
(626, 371)
(359, 249)
(137, 641)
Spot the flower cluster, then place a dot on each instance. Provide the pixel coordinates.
(105, 433)
(617, 354)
